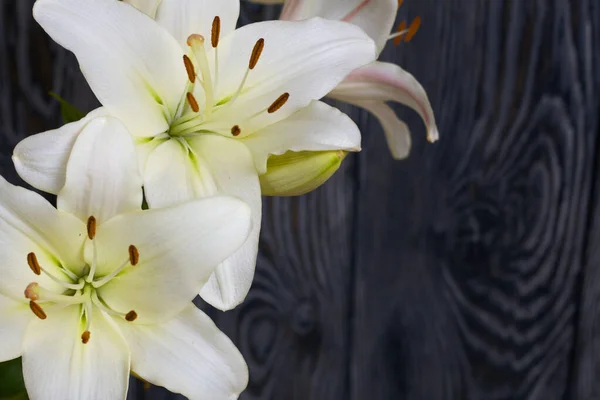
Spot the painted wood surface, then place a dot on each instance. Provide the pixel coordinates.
(471, 270)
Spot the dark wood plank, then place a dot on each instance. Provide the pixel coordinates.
(470, 252)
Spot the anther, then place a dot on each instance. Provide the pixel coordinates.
(189, 68)
(85, 337)
(134, 255)
(31, 291)
(216, 31)
(33, 263)
(91, 227)
(280, 102)
(193, 103)
(37, 310)
(400, 3)
(235, 130)
(401, 28)
(412, 29)
(131, 316)
(256, 52)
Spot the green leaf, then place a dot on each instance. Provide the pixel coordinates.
(12, 386)
(69, 112)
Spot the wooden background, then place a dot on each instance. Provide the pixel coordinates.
(471, 270)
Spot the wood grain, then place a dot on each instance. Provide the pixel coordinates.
(469, 267)
(468, 271)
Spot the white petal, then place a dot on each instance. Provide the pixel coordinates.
(317, 127)
(396, 132)
(133, 65)
(375, 17)
(185, 17)
(173, 175)
(187, 355)
(148, 7)
(233, 172)
(102, 173)
(58, 366)
(41, 159)
(14, 318)
(179, 247)
(387, 82)
(28, 223)
(305, 59)
(267, 1)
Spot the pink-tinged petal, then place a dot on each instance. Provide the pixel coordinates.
(381, 82)
(396, 132)
(375, 17)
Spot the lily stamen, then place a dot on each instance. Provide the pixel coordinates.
(37, 269)
(189, 68)
(214, 38)
(37, 310)
(33, 263)
(193, 103)
(131, 316)
(277, 104)
(85, 337)
(133, 255)
(91, 227)
(235, 130)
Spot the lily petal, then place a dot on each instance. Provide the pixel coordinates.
(304, 59)
(102, 173)
(185, 17)
(174, 175)
(148, 7)
(396, 132)
(233, 172)
(375, 17)
(133, 65)
(179, 248)
(187, 355)
(317, 127)
(28, 223)
(381, 82)
(14, 318)
(58, 366)
(41, 159)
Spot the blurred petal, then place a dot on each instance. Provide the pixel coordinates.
(233, 172)
(179, 248)
(102, 173)
(396, 132)
(58, 366)
(187, 355)
(148, 7)
(387, 82)
(185, 17)
(41, 160)
(375, 17)
(317, 127)
(294, 174)
(14, 318)
(132, 64)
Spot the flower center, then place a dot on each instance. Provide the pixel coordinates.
(191, 118)
(81, 291)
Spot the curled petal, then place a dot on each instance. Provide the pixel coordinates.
(380, 82)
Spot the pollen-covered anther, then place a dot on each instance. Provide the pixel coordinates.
(256, 52)
(134, 255)
(400, 32)
(33, 263)
(37, 310)
(91, 227)
(277, 104)
(189, 68)
(131, 316)
(193, 102)
(85, 337)
(215, 32)
(235, 130)
(412, 29)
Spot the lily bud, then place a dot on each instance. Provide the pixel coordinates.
(296, 173)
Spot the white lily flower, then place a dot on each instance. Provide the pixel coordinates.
(98, 287)
(207, 104)
(370, 87)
